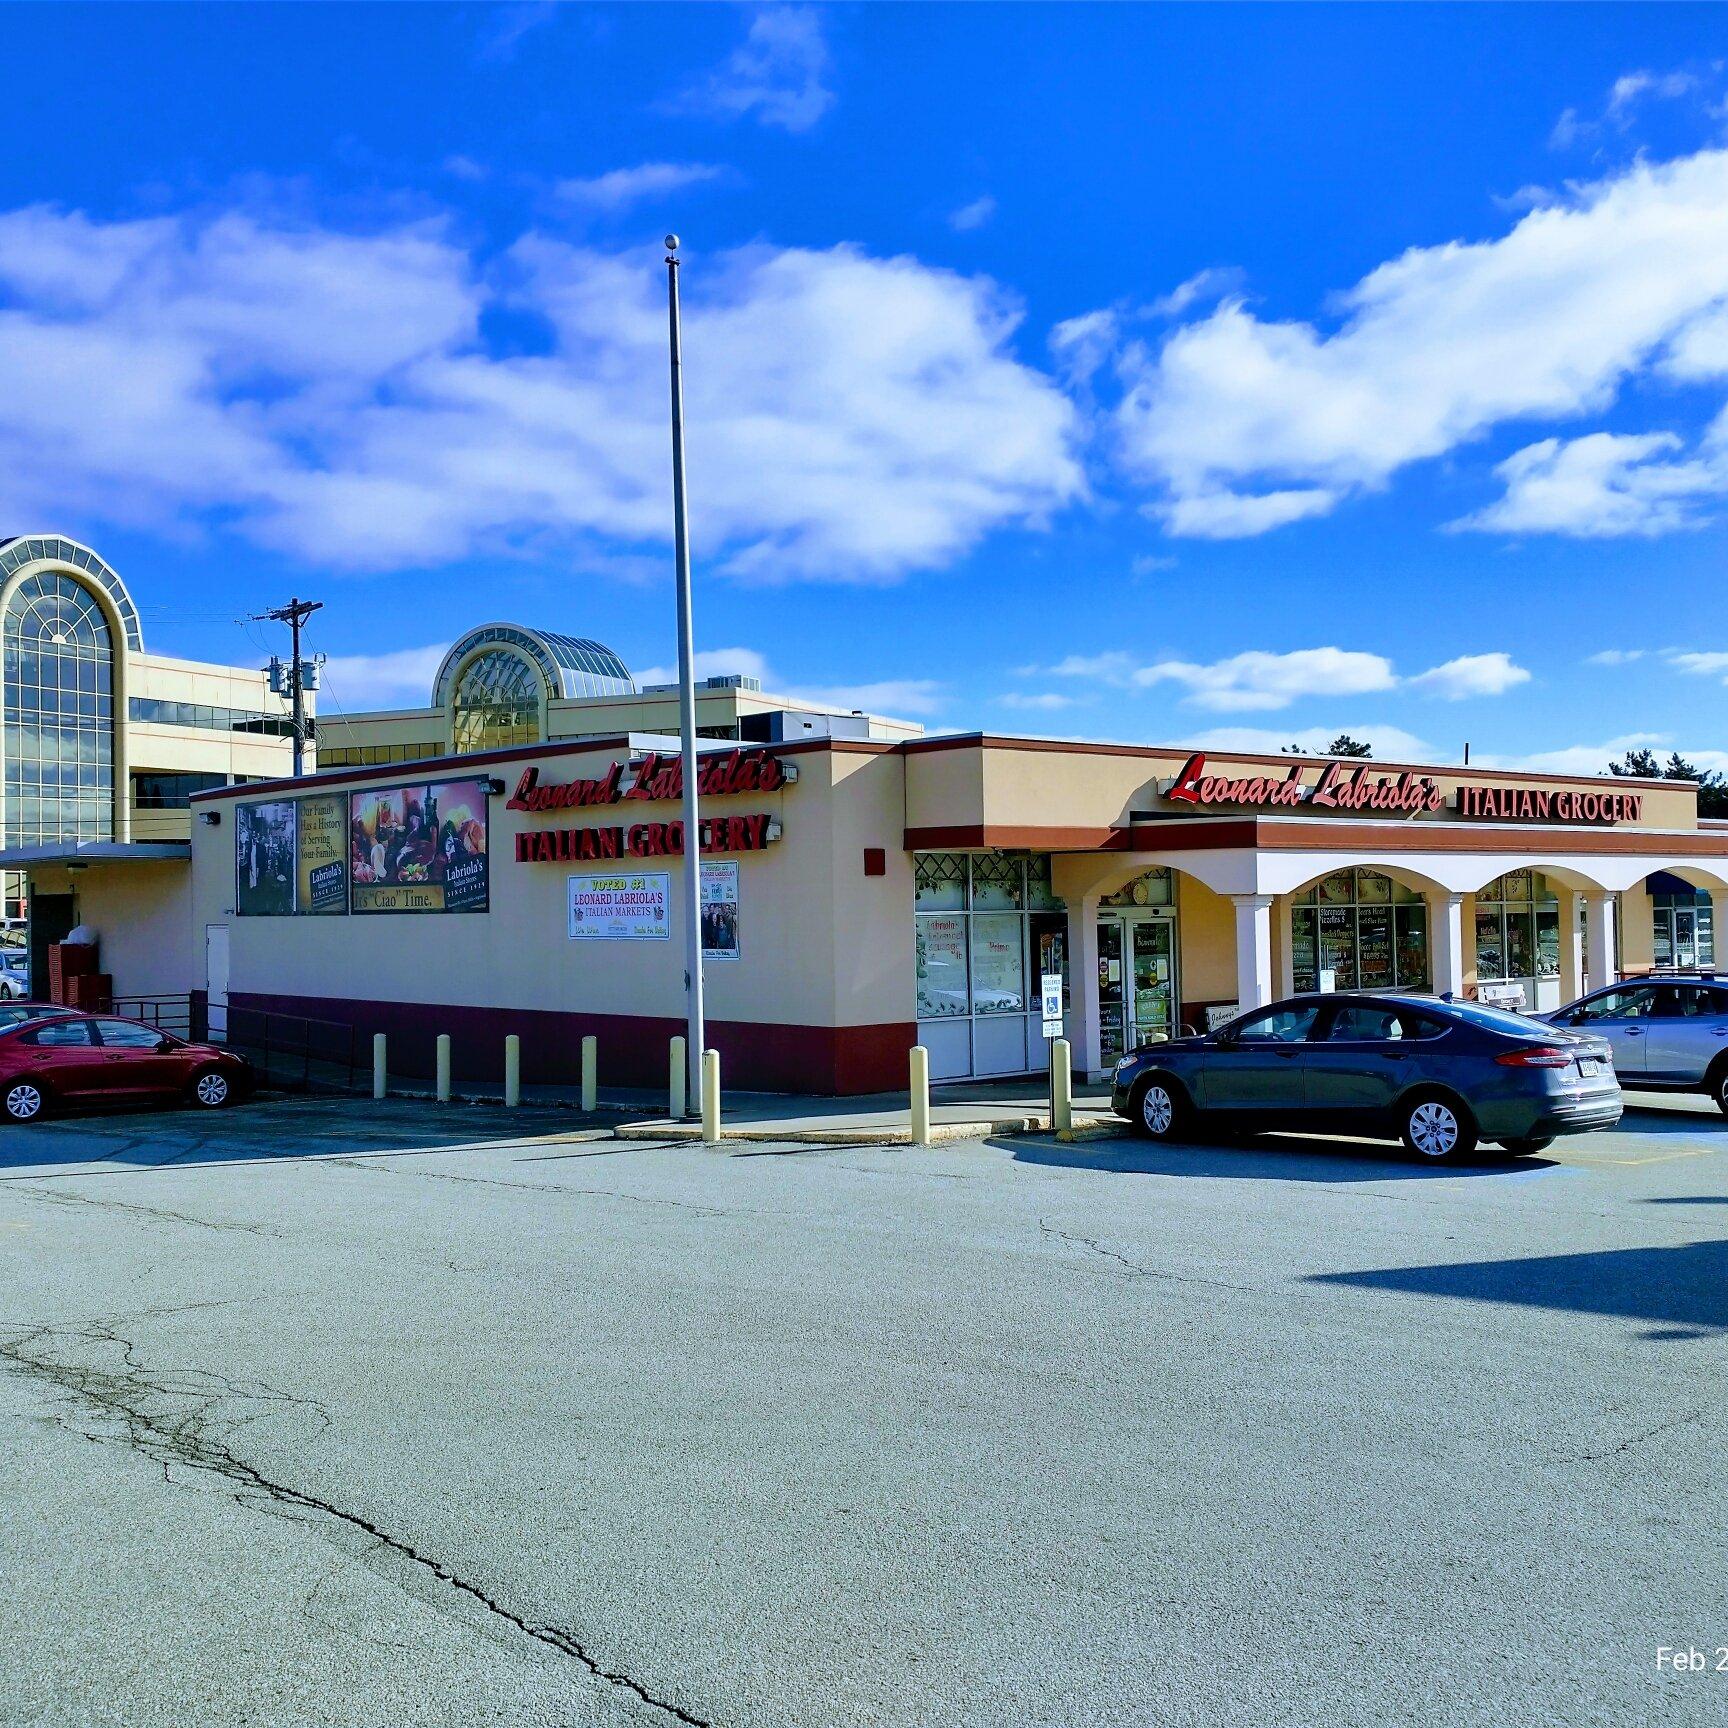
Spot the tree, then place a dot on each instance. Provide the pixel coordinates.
(1712, 787)
(1638, 764)
(1342, 745)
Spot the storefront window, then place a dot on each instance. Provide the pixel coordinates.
(1683, 928)
(1364, 929)
(942, 985)
(998, 963)
(1517, 929)
(987, 926)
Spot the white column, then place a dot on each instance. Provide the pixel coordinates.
(1599, 937)
(1571, 947)
(1253, 949)
(1286, 947)
(1083, 985)
(1446, 943)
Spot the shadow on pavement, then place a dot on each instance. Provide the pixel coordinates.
(1682, 1290)
(1643, 1117)
(1276, 1157)
(270, 1130)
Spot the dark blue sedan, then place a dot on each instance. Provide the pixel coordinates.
(1441, 1076)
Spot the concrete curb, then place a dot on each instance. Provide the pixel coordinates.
(941, 1133)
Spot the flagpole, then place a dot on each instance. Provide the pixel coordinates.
(695, 1031)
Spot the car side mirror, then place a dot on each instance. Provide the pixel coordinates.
(164, 1043)
(1577, 1019)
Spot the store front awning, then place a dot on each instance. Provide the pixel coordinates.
(70, 852)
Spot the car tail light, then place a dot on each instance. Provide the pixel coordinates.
(1535, 1056)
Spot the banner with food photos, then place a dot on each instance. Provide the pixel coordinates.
(418, 848)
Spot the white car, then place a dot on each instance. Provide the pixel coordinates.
(14, 977)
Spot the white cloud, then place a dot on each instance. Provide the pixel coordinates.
(622, 186)
(1110, 667)
(1631, 88)
(1080, 346)
(973, 215)
(1257, 680)
(403, 678)
(1148, 563)
(887, 696)
(709, 663)
(1593, 758)
(1698, 664)
(507, 25)
(1389, 743)
(1472, 675)
(1260, 681)
(1603, 485)
(1616, 657)
(333, 396)
(1043, 700)
(1626, 95)
(1209, 284)
(777, 74)
(1244, 424)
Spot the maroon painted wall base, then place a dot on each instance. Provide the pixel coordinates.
(839, 1061)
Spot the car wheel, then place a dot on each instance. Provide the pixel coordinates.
(1717, 1086)
(1527, 1148)
(211, 1089)
(1438, 1130)
(25, 1101)
(1158, 1109)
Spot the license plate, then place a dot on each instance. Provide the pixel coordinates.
(1587, 1066)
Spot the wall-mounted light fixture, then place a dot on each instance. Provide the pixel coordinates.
(210, 818)
(494, 786)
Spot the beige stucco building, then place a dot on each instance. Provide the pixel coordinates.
(868, 894)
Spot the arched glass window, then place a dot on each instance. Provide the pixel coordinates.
(496, 702)
(59, 713)
(1369, 931)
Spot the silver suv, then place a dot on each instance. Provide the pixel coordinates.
(1667, 1034)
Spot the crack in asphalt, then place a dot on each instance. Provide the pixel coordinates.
(152, 1214)
(527, 1187)
(1135, 1269)
(130, 1400)
(1631, 1440)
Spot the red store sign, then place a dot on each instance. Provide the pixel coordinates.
(1338, 788)
(644, 840)
(656, 778)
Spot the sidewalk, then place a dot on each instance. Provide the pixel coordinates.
(966, 1112)
(956, 1113)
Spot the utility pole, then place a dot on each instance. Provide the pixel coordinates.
(695, 1034)
(294, 615)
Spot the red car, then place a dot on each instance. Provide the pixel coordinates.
(61, 1056)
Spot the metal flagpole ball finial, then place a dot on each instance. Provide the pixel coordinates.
(671, 242)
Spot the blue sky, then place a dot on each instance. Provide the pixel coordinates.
(1234, 374)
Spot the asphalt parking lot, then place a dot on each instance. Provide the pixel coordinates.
(387, 1415)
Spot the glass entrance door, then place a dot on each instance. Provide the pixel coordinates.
(1137, 995)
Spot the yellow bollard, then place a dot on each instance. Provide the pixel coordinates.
(679, 1082)
(512, 1071)
(380, 1084)
(590, 1072)
(920, 1095)
(443, 1067)
(711, 1097)
(1061, 1087)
